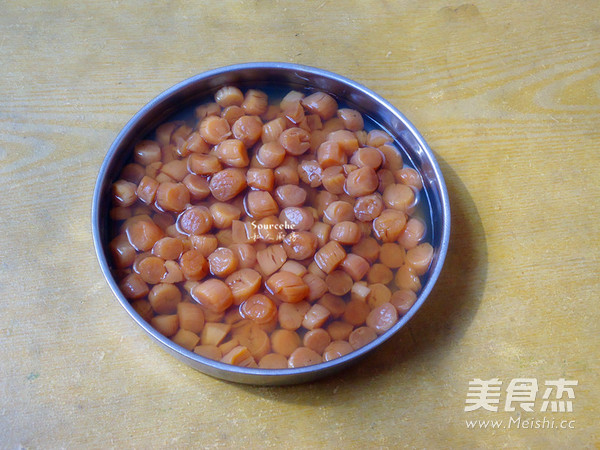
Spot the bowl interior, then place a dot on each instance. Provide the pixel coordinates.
(275, 77)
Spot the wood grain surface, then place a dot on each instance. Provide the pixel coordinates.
(506, 93)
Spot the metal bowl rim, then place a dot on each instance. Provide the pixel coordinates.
(218, 368)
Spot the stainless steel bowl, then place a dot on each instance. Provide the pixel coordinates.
(292, 76)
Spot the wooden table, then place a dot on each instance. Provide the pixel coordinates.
(506, 93)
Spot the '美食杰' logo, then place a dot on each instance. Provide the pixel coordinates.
(521, 394)
(485, 394)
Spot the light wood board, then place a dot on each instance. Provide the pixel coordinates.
(506, 93)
